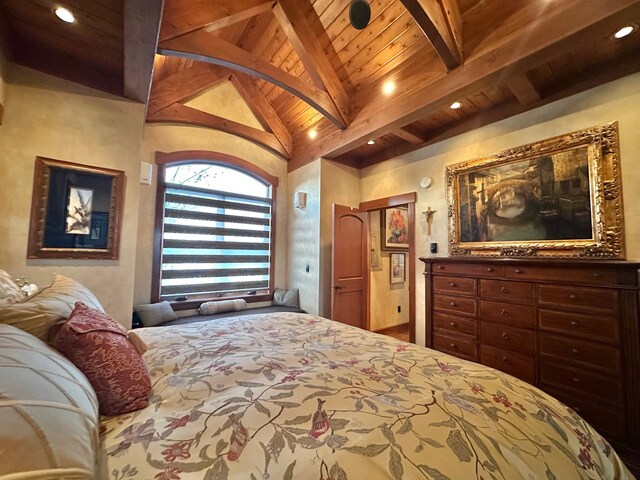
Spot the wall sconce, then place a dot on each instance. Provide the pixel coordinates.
(300, 199)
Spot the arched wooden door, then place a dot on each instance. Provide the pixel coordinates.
(350, 272)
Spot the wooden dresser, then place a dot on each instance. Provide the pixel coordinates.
(569, 327)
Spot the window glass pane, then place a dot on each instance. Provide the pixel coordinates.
(216, 177)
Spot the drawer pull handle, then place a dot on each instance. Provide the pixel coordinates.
(575, 380)
(440, 267)
(574, 323)
(489, 269)
(453, 324)
(504, 313)
(505, 359)
(505, 336)
(596, 274)
(453, 345)
(452, 284)
(572, 296)
(504, 290)
(453, 304)
(517, 270)
(575, 351)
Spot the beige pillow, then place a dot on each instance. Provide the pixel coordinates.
(222, 306)
(49, 307)
(9, 290)
(154, 314)
(48, 412)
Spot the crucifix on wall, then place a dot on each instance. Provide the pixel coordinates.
(428, 213)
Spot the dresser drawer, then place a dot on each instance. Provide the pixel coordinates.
(507, 313)
(580, 381)
(597, 327)
(589, 354)
(593, 276)
(454, 324)
(455, 346)
(520, 292)
(504, 336)
(516, 364)
(470, 269)
(461, 305)
(455, 285)
(601, 300)
(607, 421)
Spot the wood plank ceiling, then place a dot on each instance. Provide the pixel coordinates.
(301, 66)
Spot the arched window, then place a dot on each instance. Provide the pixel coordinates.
(214, 234)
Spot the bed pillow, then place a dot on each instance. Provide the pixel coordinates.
(48, 308)
(101, 349)
(48, 412)
(211, 308)
(9, 291)
(155, 313)
(286, 298)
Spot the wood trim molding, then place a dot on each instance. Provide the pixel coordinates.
(181, 114)
(296, 24)
(387, 202)
(204, 47)
(184, 156)
(141, 30)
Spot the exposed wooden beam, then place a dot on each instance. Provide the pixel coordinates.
(204, 47)
(6, 47)
(262, 109)
(410, 134)
(184, 85)
(523, 89)
(183, 115)
(296, 24)
(588, 79)
(184, 16)
(441, 23)
(141, 29)
(538, 43)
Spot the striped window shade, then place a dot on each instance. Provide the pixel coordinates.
(216, 233)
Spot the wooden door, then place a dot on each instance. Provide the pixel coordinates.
(350, 267)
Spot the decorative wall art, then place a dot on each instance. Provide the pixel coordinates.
(75, 211)
(560, 197)
(394, 228)
(397, 270)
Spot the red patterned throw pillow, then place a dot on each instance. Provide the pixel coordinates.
(101, 349)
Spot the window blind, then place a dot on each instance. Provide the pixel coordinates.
(214, 243)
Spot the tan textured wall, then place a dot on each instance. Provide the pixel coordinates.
(339, 184)
(222, 100)
(619, 100)
(50, 117)
(385, 296)
(304, 236)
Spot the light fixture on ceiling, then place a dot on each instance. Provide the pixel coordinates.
(371, 142)
(359, 14)
(388, 87)
(64, 15)
(624, 31)
(455, 105)
(313, 133)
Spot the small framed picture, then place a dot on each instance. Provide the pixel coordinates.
(397, 270)
(394, 228)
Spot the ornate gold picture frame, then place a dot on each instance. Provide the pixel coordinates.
(76, 211)
(560, 197)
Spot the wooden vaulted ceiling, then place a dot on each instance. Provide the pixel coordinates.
(300, 65)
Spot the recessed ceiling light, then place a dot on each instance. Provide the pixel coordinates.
(388, 87)
(313, 133)
(624, 31)
(64, 15)
(455, 105)
(371, 142)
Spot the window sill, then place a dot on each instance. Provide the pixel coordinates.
(195, 303)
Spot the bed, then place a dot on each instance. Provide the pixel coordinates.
(294, 396)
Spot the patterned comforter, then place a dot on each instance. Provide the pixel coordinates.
(293, 396)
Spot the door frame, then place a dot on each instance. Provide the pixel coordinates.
(408, 199)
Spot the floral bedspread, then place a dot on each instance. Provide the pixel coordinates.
(293, 396)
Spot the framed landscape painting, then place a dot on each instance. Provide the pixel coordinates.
(75, 211)
(559, 197)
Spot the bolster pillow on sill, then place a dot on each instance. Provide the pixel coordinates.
(211, 308)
